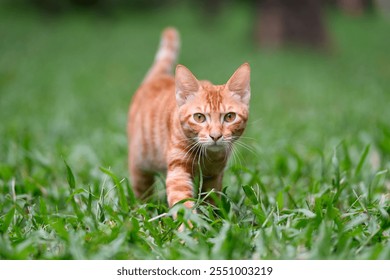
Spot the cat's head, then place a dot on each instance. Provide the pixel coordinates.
(213, 115)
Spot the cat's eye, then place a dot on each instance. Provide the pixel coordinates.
(229, 117)
(199, 118)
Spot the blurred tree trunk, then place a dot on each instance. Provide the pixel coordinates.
(359, 7)
(383, 6)
(352, 7)
(50, 6)
(292, 22)
(210, 8)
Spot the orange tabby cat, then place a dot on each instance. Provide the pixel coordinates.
(178, 125)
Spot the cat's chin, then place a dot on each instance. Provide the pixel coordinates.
(215, 148)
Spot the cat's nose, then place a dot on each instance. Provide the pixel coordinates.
(215, 136)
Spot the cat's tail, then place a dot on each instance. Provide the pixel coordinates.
(166, 55)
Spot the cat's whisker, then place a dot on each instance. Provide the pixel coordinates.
(191, 149)
(228, 148)
(194, 153)
(246, 146)
(234, 157)
(197, 156)
(238, 155)
(204, 153)
(244, 138)
(186, 155)
(232, 152)
(225, 145)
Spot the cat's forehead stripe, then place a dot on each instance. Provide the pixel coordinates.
(214, 99)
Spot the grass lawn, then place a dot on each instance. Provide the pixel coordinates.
(310, 180)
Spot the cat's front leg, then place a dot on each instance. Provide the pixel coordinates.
(212, 183)
(179, 184)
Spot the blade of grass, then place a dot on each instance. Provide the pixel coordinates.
(362, 160)
(7, 220)
(121, 192)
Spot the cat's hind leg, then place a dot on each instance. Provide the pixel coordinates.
(142, 182)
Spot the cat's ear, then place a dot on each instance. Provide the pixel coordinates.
(186, 85)
(239, 83)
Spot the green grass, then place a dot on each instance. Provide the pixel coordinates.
(313, 185)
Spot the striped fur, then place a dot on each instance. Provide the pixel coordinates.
(180, 125)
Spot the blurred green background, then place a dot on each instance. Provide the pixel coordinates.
(68, 70)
